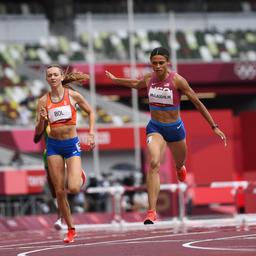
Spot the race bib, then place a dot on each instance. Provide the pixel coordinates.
(160, 95)
(60, 113)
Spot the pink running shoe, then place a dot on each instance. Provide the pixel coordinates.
(181, 173)
(84, 178)
(150, 218)
(71, 234)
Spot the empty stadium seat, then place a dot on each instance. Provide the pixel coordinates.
(205, 45)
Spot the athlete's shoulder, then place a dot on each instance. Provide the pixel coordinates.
(177, 77)
(74, 93)
(43, 98)
(75, 97)
(180, 82)
(147, 77)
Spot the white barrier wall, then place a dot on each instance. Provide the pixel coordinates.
(23, 28)
(31, 28)
(155, 22)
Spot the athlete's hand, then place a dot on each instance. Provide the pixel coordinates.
(110, 75)
(87, 77)
(43, 113)
(91, 141)
(221, 134)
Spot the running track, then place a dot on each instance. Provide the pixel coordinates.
(139, 240)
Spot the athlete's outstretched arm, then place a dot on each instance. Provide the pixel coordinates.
(184, 87)
(128, 82)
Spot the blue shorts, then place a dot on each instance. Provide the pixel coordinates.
(65, 148)
(170, 131)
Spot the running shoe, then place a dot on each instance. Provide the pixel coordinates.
(71, 234)
(181, 173)
(84, 178)
(58, 225)
(150, 218)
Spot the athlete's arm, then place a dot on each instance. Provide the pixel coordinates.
(183, 86)
(85, 106)
(41, 119)
(131, 83)
(37, 137)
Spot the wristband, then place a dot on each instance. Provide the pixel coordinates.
(215, 126)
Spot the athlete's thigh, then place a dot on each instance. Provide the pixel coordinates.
(73, 171)
(178, 149)
(56, 170)
(156, 145)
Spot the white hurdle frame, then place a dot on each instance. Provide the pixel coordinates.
(118, 191)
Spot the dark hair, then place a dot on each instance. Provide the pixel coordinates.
(160, 51)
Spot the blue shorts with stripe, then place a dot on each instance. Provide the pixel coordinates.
(65, 148)
(170, 131)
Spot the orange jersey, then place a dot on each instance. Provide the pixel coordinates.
(62, 112)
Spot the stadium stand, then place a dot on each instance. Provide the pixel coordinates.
(199, 45)
(202, 40)
(207, 45)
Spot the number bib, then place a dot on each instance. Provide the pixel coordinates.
(160, 95)
(60, 113)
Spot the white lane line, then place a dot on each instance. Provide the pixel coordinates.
(192, 246)
(50, 241)
(111, 242)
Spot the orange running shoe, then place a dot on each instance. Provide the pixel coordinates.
(181, 173)
(83, 176)
(71, 234)
(150, 218)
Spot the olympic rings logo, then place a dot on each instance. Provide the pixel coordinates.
(245, 70)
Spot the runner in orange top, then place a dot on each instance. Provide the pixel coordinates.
(58, 224)
(63, 148)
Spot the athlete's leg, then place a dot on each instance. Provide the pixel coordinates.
(57, 174)
(179, 152)
(74, 180)
(52, 190)
(49, 181)
(156, 146)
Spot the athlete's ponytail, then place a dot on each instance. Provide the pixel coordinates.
(70, 77)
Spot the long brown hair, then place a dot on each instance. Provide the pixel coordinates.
(70, 77)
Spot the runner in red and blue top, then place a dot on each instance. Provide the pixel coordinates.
(163, 96)
(165, 127)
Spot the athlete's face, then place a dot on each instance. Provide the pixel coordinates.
(159, 64)
(54, 76)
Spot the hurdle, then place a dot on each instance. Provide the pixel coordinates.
(241, 221)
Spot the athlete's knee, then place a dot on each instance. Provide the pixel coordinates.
(60, 193)
(74, 189)
(155, 165)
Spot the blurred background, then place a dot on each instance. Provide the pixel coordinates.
(212, 44)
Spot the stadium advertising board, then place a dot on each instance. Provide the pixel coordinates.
(196, 73)
(109, 138)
